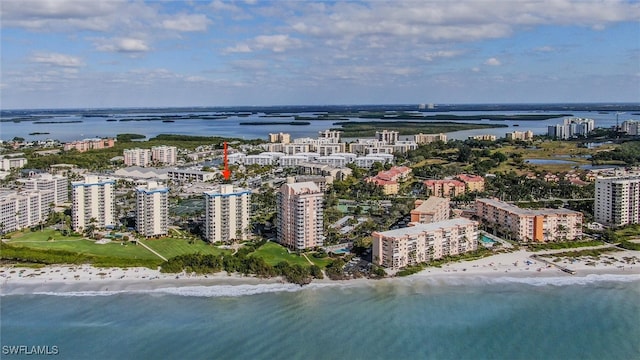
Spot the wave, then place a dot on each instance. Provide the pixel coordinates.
(193, 291)
(397, 283)
(568, 280)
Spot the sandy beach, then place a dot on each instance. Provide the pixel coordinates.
(64, 278)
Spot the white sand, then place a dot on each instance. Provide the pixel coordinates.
(85, 277)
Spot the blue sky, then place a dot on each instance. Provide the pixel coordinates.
(59, 53)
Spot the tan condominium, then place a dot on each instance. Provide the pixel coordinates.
(395, 249)
(520, 135)
(227, 214)
(445, 187)
(529, 224)
(152, 209)
(93, 203)
(300, 215)
(280, 138)
(433, 209)
(429, 138)
(472, 182)
(167, 155)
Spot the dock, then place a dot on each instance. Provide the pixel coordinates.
(565, 269)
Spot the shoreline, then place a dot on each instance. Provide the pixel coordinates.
(512, 267)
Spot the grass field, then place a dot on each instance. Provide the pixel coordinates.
(170, 247)
(274, 253)
(78, 244)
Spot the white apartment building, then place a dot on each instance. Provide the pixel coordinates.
(236, 158)
(291, 160)
(191, 175)
(152, 209)
(93, 198)
(227, 214)
(395, 249)
(335, 161)
(630, 127)
(617, 200)
(571, 128)
(389, 137)
(300, 215)
(403, 146)
(8, 162)
(167, 155)
(58, 184)
(334, 135)
(329, 149)
(137, 157)
(294, 149)
(261, 159)
(24, 209)
(368, 161)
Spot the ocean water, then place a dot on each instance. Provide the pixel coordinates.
(597, 317)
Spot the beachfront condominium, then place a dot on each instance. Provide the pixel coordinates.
(617, 200)
(395, 249)
(137, 157)
(93, 202)
(227, 214)
(529, 224)
(300, 215)
(56, 183)
(19, 210)
(152, 209)
(167, 155)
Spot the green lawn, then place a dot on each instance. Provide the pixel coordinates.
(629, 231)
(170, 247)
(78, 244)
(274, 253)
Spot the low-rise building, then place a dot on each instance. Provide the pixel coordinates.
(395, 249)
(520, 135)
(12, 161)
(433, 209)
(429, 138)
(181, 175)
(530, 224)
(485, 137)
(89, 144)
(445, 187)
(472, 182)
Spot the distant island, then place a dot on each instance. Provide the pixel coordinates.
(369, 128)
(39, 133)
(58, 122)
(275, 123)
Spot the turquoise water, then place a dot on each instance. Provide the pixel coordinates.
(409, 318)
(486, 239)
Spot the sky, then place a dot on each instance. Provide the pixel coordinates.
(93, 54)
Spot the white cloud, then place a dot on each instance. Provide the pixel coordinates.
(187, 22)
(275, 43)
(441, 54)
(492, 62)
(544, 49)
(56, 59)
(123, 45)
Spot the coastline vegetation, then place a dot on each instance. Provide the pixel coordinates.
(259, 123)
(369, 128)
(564, 245)
(402, 115)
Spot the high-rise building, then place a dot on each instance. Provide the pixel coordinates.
(56, 183)
(617, 200)
(19, 210)
(137, 157)
(333, 135)
(412, 245)
(389, 137)
(152, 209)
(429, 138)
(227, 214)
(300, 215)
(92, 198)
(571, 128)
(167, 155)
(280, 138)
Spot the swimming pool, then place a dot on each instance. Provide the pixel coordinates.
(485, 239)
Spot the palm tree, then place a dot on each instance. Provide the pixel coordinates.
(91, 228)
